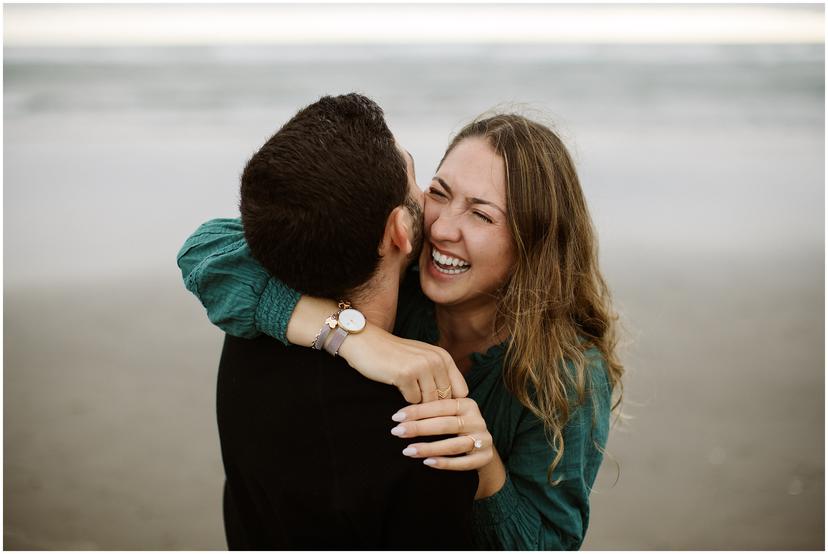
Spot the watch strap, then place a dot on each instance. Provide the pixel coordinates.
(323, 333)
(322, 337)
(339, 336)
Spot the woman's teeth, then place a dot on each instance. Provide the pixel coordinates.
(447, 264)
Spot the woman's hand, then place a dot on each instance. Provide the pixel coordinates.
(421, 371)
(458, 416)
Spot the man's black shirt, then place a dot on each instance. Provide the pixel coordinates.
(311, 463)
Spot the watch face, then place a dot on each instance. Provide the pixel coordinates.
(351, 320)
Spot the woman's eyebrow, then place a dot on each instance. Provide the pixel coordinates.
(473, 200)
(442, 182)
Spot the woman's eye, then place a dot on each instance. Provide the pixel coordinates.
(482, 216)
(435, 192)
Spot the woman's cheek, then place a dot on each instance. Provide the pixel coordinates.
(503, 257)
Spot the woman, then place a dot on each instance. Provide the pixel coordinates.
(509, 285)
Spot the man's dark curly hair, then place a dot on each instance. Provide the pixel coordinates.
(315, 198)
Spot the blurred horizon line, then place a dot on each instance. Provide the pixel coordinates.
(518, 53)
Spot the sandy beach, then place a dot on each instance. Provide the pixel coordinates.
(111, 442)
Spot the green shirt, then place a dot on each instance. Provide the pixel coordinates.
(528, 513)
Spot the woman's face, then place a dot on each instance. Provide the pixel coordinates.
(468, 251)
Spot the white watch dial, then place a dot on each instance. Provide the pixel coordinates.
(352, 320)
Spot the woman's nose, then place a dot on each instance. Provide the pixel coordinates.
(445, 227)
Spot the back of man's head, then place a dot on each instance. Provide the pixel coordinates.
(316, 197)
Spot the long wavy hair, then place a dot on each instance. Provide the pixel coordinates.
(556, 304)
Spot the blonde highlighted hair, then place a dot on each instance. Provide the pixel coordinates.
(556, 304)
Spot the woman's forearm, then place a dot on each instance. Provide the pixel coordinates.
(492, 477)
(307, 319)
(415, 368)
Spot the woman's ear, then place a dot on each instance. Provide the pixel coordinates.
(398, 231)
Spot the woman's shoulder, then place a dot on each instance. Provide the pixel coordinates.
(590, 415)
(596, 367)
(595, 377)
(596, 385)
(596, 392)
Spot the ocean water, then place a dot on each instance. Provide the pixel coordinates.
(113, 155)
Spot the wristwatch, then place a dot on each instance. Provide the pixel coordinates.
(330, 325)
(349, 322)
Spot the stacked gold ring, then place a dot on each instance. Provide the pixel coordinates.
(444, 393)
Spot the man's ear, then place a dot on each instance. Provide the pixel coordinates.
(398, 231)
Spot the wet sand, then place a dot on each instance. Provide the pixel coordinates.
(111, 442)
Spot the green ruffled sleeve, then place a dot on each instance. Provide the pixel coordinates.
(530, 514)
(240, 296)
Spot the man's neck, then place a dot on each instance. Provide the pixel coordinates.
(377, 300)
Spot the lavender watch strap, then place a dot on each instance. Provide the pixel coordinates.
(339, 336)
(323, 335)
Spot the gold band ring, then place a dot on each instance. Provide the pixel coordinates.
(457, 411)
(444, 393)
(460, 424)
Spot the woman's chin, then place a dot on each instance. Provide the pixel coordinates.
(438, 286)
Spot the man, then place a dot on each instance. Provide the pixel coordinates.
(331, 208)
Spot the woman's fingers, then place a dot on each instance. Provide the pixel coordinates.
(435, 383)
(424, 428)
(428, 387)
(472, 447)
(447, 425)
(410, 391)
(420, 374)
(464, 444)
(447, 407)
(429, 369)
(450, 381)
(460, 463)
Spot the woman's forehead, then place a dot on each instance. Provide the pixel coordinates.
(474, 169)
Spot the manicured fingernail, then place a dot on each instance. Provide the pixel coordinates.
(399, 416)
(429, 461)
(398, 430)
(410, 451)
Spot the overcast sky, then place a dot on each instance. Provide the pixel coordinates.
(191, 24)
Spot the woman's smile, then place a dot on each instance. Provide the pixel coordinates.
(447, 264)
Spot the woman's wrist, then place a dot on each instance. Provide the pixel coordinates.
(491, 477)
(358, 345)
(307, 319)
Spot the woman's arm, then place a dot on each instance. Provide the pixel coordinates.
(528, 513)
(243, 300)
(414, 367)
